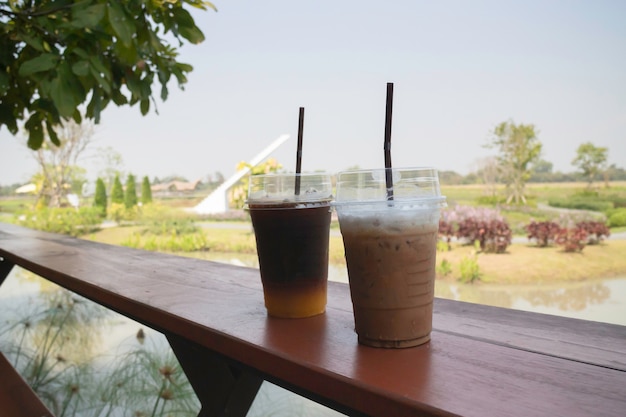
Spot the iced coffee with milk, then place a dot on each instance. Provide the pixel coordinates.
(291, 227)
(390, 250)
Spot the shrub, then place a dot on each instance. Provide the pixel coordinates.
(543, 233)
(596, 231)
(117, 212)
(100, 198)
(478, 224)
(581, 203)
(617, 217)
(67, 221)
(444, 268)
(491, 235)
(470, 271)
(573, 239)
(146, 191)
(117, 192)
(172, 227)
(130, 195)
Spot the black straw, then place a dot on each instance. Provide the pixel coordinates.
(299, 151)
(388, 172)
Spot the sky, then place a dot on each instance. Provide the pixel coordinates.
(459, 68)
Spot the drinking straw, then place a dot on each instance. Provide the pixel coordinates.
(388, 172)
(299, 151)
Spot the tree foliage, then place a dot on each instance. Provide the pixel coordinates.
(100, 198)
(590, 160)
(59, 55)
(130, 194)
(117, 192)
(238, 194)
(518, 149)
(146, 191)
(59, 173)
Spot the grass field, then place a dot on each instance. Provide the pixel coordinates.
(525, 263)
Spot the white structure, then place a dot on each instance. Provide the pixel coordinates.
(217, 201)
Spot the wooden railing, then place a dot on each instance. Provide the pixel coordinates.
(481, 361)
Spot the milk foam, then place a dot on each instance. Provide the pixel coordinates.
(388, 220)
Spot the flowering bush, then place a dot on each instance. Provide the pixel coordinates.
(573, 239)
(596, 231)
(477, 224)
(543, 233)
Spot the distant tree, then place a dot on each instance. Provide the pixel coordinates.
(238, 194)
(58, 56)
(450, 178)
(518, 149)
(100, 198)
(146, 191)
(110, 163)
(591, 161)
(614, 173)
(542, 166)
(542, 171)
(59, 173)
(117, 192)
(488, 171)
(130, 194)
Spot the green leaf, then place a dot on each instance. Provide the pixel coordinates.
(81, 68)
(35, 131)
(186, 26)
(81, 53)
(95, 105)
(134, 85)
(4, 83)
(78, 118)
(145, 106)
(118, 98)
(34, 42)
(89, 17)
(54, 138)
(43, 62)
(101, 74)
(66, 91)
(121, 24)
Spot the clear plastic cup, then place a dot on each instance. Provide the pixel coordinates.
(291, 231)
(390, 248)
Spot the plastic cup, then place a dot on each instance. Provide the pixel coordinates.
(390, 248)
(291, 232)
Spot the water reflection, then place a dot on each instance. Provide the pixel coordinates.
(55, 339)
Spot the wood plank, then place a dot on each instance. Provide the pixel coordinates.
(16, 396)
(480, 361)
(580, 340)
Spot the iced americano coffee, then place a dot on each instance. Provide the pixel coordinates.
(390, 249)
(291, 232)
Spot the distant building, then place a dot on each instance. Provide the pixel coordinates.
(174, 186)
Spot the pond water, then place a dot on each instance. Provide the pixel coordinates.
(599, 300)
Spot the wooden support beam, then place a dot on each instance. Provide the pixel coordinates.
(224, 389)
(5, 268)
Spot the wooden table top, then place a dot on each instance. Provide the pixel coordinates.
(481, 360)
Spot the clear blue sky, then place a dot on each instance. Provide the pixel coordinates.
(459, 68)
